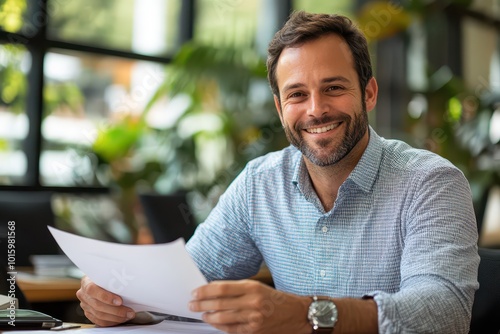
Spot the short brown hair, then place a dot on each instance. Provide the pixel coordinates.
(302, 27)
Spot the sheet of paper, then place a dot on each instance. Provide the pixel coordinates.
(156, 277)
(165, 327)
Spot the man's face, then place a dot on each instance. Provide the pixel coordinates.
(322, 109)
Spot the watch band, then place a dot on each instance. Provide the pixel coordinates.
(323, 331)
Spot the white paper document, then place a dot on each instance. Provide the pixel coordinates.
(157, 277)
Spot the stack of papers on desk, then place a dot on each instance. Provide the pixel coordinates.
(156, 277)
(52, 265)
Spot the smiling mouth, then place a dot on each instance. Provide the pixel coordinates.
(324, 128)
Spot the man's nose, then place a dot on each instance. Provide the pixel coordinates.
(317, 105)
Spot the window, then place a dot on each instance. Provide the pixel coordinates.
(227, 22)
(146, 27)
(82, 63)
(14, 65)
(82, 92)
(11, 15)
(343, 7)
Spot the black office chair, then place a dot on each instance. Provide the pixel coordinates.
(169, 216)
(486, 308)
(31, 212)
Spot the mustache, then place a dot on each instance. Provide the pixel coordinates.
(325, 119)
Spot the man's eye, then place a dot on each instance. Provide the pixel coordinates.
(333, 88)
(296, 94)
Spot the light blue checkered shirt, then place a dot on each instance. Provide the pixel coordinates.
(402, 230)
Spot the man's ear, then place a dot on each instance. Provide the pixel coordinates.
(371, 92)
(277, 104)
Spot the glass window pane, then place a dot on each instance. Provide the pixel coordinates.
(11, 15)
(142, 26)
(85, 93)
(227, 22)
(343, 7)
(14, 65)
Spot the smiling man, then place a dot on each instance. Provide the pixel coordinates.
(361, 234)
(323, 109)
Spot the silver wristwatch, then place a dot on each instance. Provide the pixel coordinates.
(322, 315)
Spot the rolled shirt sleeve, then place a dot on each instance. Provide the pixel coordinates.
(439, 261)
(222, 246)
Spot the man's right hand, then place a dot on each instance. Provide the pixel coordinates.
(102, 307)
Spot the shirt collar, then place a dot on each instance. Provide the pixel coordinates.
(366, 171)
(364, 174)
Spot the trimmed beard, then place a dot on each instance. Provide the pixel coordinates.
(354, 131)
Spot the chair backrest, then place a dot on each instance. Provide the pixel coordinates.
(169, 216)
(486, 308)
(29, 214)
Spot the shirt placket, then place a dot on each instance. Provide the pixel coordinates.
(323, 269)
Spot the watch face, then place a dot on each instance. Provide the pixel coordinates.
(323, 313)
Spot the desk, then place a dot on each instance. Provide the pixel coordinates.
(47, 289)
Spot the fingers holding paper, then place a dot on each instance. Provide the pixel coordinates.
(249, 306)
(102, 307)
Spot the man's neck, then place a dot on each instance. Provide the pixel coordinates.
(327, 180)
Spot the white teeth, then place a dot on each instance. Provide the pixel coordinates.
(323, 129)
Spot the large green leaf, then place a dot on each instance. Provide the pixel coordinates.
(116, 140)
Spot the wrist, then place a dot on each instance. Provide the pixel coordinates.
(356, 315)
(305, 326)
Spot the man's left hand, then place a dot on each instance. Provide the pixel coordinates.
(249, 306)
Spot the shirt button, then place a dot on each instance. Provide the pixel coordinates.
(324, 229)
(322, 273)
